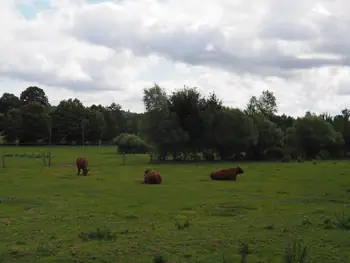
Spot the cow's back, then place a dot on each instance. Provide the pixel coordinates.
(82, 162)
(152, 177)
(224, 174)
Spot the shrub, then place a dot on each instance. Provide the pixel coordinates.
(131, 143)
(286, 159)
(275, 153)
(209, 155)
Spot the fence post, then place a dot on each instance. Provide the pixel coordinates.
(124, 158)
(3, 160)
(49, 159)
(44, 158)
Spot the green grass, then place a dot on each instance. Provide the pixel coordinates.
(48, 214)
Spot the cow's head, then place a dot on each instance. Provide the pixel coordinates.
(146, 171)
(85, 171)
(239, 170)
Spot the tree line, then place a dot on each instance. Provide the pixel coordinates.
(183, 125)
(30, 119)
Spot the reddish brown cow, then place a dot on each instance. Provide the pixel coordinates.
(226, 174)
(152, 177)
(82, 164)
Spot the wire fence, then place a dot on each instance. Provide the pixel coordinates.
(15, 155)
(46, 157)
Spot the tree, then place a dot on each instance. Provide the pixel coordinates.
(189, 106)
(2, 123)
(341, 124)
(233, 132)
(67, 121)
(154, 98)
(157, 113)
(266, 105)
(252, 106)
(283, 121)
(97, 126)
(184, 124)
(12, 125)
(115, 121)
(269, 137)
(313, 134)
(34, 123)
(34, 94)
(9, 101)
(131, 143)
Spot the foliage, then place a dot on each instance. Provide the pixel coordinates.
(30, 119)
(184, 125)
(131, 143)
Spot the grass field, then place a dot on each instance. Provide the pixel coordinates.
(48, 214)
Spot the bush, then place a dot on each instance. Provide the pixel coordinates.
(131, 143)
(209, 155)
(286, 159)
(323, 154)
(275, 153)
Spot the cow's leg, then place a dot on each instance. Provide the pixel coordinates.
(78, 171)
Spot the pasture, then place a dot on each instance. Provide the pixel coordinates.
(48, 214)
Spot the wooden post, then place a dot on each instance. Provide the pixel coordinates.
(3, 161)
(44, 159)
(124, 158)
(82, 133)
(50, 130)
(49, 159)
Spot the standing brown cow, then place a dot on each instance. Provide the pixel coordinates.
(226, 174)
(152, 177)
(82, 164)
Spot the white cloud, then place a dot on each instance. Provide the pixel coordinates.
(110, 51)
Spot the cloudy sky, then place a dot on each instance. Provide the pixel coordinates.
(108, 51)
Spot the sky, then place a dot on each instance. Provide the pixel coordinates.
(109, 51)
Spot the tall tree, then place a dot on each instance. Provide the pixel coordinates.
(34, 122)
(12, 125)
(313, 134)
(67, 120)
(188, 105)
(266, 104)
(9, 101)
(34, 94)
(157, 113)
(233, 132)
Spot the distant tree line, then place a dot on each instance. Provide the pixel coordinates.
(183, 125)
(30, 119)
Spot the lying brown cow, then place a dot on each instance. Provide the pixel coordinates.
(226, 174)
(152, 177)
(82, 164)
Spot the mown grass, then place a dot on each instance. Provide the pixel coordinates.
(48, 214)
